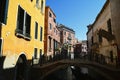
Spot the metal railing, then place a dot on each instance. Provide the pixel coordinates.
(93, 57)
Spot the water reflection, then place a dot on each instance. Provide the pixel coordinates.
(73, 73)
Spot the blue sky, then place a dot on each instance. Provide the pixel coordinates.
(76, 14)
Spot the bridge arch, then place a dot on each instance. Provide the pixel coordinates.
(96, 68)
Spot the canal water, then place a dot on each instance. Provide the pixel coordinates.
(74, 73)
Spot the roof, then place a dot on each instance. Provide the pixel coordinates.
(51, 10)
(63, 26)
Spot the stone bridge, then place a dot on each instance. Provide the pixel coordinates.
(109, 73)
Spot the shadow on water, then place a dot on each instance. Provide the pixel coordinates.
(74, 73)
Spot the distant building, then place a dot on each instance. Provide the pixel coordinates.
(77, 49)
(84, 47)
(52, 34)
(80, 48)
(75, 41)
(67, 37)
(103, 34)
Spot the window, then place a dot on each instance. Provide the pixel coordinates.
(92, 40)
(36, 30)
(111, 56)
(50, 26)
(1, 42)
(3, 11)
(64, 33)
(50, 15)
(69, 35)
(56, 32)
(54, 20)
(37, 2)
(35, 53)
(20, 20)
(40, 55)
(23, 24)
(50, 44)
(41, 32)
(40, 51)
(109, 26)
(42, 5)
(100, 38)
(27, 25)
(65, 41)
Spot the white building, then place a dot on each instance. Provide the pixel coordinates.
(83, 47)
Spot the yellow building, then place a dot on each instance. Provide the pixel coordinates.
(22, 31)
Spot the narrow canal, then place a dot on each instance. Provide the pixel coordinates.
(74, 73)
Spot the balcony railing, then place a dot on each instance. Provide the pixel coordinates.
(106, 34)
(93, 57)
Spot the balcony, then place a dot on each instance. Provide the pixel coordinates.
(106, 35)
(50, 49)
(69, 38)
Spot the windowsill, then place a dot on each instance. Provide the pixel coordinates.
(27, 38)
(35, 39)
(2, 24)
(42, 12)
(41, 41)
(37, 6)
(50, 50)
(20, 35)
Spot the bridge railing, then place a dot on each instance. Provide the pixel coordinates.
(94, 57)
(101, 59)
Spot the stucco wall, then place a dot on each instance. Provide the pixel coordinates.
(12, 45)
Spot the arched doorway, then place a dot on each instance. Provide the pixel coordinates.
(21, 70)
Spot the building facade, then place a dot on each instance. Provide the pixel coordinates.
(101, 36)
(80, 48)
(22, 31)
(52, 34)
(115, 15)
(84, 47)
(67, 37)
(77, 49)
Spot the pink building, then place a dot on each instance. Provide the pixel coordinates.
(67, 36)
(52, 34)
